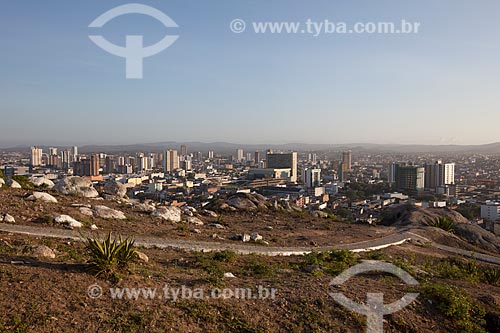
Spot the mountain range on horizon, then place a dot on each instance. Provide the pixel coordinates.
(224, 147)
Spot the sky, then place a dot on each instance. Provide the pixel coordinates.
(438, 86)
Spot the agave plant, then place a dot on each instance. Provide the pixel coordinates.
(444, 223)
(110, 254)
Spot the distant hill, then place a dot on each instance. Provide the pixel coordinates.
(227, 147)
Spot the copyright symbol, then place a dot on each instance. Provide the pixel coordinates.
(94, 291)
(237, 26)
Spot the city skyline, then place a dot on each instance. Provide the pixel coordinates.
(420, 88)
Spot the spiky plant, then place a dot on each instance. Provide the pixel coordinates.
(110, 254)
(444, 223)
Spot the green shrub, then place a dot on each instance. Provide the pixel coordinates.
(491, 276)
(110, 255)
(455, 304)
(333, 262)
(444, 223)
(226, 256)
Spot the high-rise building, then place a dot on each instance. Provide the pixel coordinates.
(36, 156)
(183, 150)
(347, 160)
(171, 161)
(409, 177)
(311, 177)
(210, 154)
(94, 165)
(239, 154)
(282, 161)
(439, 174)
(257, 157)
(75, 153)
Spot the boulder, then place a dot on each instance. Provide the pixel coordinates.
(14, 184)
(241, 203)
(42, 196)
(76, 186)
(169, 213)
(194, 220)
(86, 211)
(2, 182)
(209, 213)
(41, 181)
(108, 213)
(114, 188)
(217, 226)
(42, 251)
(229, 275)
(145, 208)
(67, 220)
(9, 219)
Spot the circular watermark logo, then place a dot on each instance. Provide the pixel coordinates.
(94, 291)
(237, 26)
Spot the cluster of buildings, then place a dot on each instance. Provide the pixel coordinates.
(359, 188)
(437, 177)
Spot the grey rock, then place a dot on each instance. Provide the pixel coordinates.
(142, 256)
(194, 220)
(168, 213)
(255, 237)
(42, 251)
(108, 213)
(9, 219)
(14, 184)
(86, 211)
(42, 196)
(40, 181)
(76, 186)
(114, 188)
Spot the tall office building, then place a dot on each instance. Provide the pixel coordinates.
(257, 157)
(239, 155)
(347, 160)
(75, 153)
(94, 165)
(171, 161)
(439, 174)
(210, 154)
(183, 150)
(311, 177)
(409, 177)
(36, 156)
(66, 159)
(283, 161)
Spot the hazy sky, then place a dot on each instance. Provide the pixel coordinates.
(439, 86)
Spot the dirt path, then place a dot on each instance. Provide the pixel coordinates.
(397, 238)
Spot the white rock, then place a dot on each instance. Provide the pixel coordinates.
(75, 224)
(77, 186)
(209, 213)
(14, 184)
(93, 227)
(169, 213)
(86, 211)
(1, 218)
(145, 208)
(229, 275)
(245, 238)
(114, 188)
(217, 226)
(108, 213)
(42, 251)
(42, 196)
(142, 256)
(40, 181)
(2, 182)
(68, 220)
(9, 219)
(195, 221)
